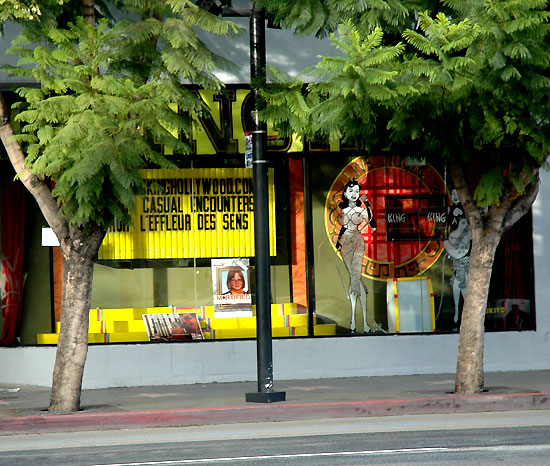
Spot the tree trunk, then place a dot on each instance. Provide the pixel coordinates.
(79, 253)
(469, 368)
(487, 229)
(87, 8)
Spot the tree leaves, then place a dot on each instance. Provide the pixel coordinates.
(109, 96)
(350, 90)
(467, 78)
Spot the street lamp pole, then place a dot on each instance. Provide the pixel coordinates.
(265, 393)
(264, 340)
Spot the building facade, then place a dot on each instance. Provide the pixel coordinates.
(369, 261)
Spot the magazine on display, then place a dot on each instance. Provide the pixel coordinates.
(173, 327)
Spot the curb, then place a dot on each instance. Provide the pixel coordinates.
(273, 412)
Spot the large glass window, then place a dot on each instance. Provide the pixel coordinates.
(358, 244)
(392, 251)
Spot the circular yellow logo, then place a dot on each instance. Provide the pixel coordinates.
(408, 205)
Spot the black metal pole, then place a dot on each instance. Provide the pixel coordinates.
(264, 353)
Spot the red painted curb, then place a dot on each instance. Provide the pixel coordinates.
(274, 412)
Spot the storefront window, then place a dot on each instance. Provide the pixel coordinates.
(192, 237)
(369, 245)
(392, 251)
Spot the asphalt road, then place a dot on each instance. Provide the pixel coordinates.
(503, 438)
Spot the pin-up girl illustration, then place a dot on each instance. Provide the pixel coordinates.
(355, 215)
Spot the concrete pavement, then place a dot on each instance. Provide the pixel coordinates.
(24, 409)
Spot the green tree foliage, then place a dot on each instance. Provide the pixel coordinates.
(466, 69)
(350, 94)
(108, 96)
(322, 17)
(17, 10)
(486, 79)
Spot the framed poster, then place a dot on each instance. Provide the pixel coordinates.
(231, 287)
(509, 314)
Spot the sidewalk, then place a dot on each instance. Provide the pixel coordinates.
(24, 409)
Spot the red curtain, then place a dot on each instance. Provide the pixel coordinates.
(519, 266)
(12, 221)
(297, 236)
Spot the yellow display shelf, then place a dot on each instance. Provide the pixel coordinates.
(129, 326)
(125, 325)
(51, 338)
(324, 330)
(48, 338)
(127, 337)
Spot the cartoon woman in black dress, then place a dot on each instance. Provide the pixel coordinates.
(356, 212)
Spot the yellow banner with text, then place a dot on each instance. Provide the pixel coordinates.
(191, 213)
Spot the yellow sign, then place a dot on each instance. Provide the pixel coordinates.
(191, 213)
(223, 130)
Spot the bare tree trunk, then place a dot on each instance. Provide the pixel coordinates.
(87, 8)
(487, 230)
(79, 252)
(469, 368)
